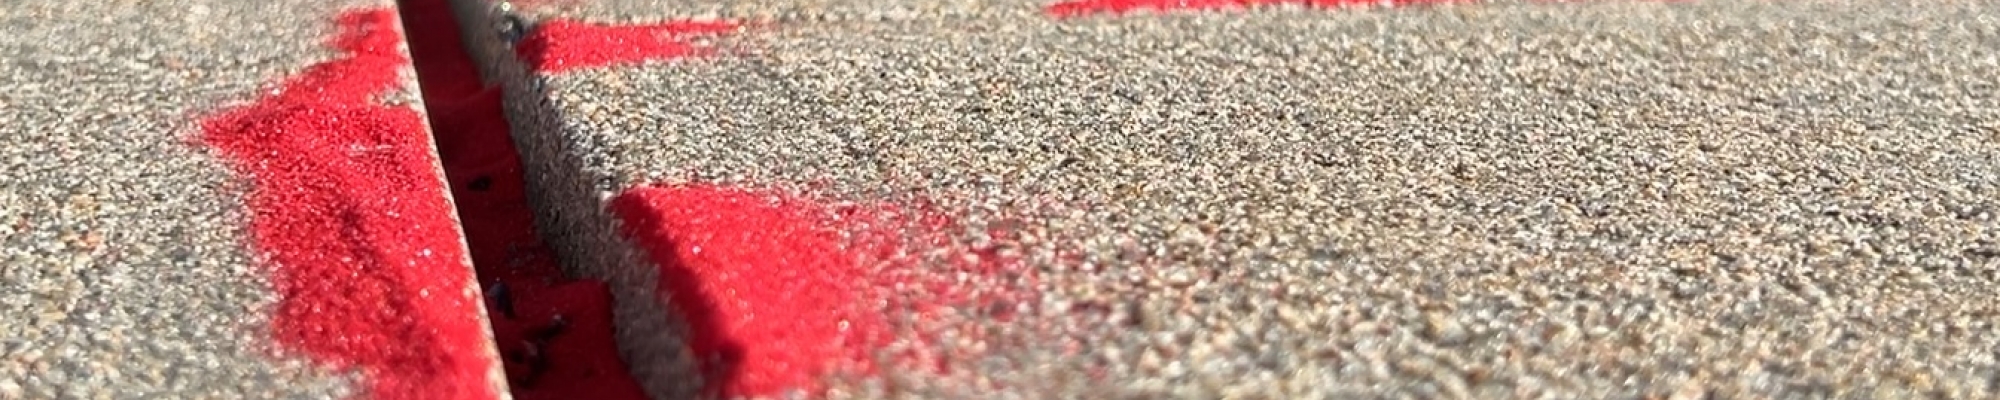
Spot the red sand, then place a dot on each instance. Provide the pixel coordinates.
(1074, 8)
(780, 290)
(355, 232)
(777, 290)
(562, 45)
(554, 334)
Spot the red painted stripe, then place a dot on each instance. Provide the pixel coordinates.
(563, 45)
(352, 225)
(1075, 8)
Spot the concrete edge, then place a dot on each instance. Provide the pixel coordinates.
(569, 200)
(496, 374)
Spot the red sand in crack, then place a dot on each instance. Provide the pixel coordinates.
(780, 290)
(562, 45)
(356, 233)
(1086, 7)
(555, 335)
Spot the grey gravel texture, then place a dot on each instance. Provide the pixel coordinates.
(773, 10)
(1733, 199)
(124, 271)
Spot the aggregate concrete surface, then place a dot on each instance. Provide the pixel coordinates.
(1744, 199)
(783, 10)
(123, 266)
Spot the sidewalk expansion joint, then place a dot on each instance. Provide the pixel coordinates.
(554, 334)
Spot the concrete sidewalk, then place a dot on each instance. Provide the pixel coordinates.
(1609, 200)
(126, 261)
(1783, 199)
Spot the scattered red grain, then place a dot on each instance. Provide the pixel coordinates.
(554, 334)
(780, 290)
(1075, 8)
(563, 45)
(353, 227)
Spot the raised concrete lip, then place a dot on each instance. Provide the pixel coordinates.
(496, 376)
(164, 292)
